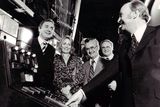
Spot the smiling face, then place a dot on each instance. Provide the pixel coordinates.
(92, 48)
(46, 30)
(66, 46)
(126, 20)
(107, 48)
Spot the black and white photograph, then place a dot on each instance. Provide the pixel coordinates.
(80, 53)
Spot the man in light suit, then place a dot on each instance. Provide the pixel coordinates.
(92, 48)
(141, 70)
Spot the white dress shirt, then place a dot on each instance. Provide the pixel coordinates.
(95, 63)
(41, 41)
(139, 32)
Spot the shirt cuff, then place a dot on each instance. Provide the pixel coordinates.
(84, 96)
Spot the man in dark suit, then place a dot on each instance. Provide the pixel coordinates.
(45, 54)
(107, 49)
(140, 67)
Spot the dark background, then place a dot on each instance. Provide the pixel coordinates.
(98, 18)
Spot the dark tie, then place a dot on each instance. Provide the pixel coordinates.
(134, 45)
(91, 70)
(44, 46)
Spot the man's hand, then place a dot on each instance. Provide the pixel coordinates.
(75, 104)
(113, 85)
(66, 91)
(75, 99)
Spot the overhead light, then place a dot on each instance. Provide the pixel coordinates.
(23, 7)
(20, 10)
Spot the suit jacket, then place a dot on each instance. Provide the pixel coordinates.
(142, 72)
(100, 65)
(102, 78)
(145, 70)
(45, 74)
(100, 95)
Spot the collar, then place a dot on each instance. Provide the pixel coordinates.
(41, 41)
(110, 57)
(139, 32)
(95, 59)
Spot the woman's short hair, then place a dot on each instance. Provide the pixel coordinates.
(72, 44)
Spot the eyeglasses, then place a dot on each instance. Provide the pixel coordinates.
(91, 48)
(106, 47)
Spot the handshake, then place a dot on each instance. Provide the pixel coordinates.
(76, 98)
(79, 96)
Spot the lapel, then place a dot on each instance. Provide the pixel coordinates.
(86, 68)
(145, 39)
(39, 50)
(98, 69)
(47, 48)
(99, 65)
(36, 47)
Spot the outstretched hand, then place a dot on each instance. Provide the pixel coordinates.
(75, 99)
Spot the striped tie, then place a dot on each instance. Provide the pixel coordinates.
(91, 70)
(44, 46)
(134, 45)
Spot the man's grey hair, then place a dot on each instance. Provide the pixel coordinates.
(143, 10)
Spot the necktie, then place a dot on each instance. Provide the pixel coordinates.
(134, 45)
(44, 46)
(91, 70)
